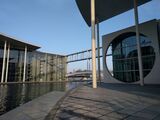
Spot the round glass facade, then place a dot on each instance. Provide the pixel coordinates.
(122, 57)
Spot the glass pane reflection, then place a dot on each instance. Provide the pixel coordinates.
(122, 58)
(40, 67)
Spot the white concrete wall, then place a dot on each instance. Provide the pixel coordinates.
(150, 29)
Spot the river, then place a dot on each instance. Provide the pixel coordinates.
(14, 95)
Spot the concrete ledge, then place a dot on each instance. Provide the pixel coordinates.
(31, 82)
(52, 113)
(36, 109)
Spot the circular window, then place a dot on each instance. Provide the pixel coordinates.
(122, 57)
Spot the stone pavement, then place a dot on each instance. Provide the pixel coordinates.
(36, 109)
(111, 102)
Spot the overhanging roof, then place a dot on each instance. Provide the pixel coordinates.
(106, 9)
(15, 43)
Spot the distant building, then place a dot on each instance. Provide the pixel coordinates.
(20, 62)
(48, 67)
(121, 49)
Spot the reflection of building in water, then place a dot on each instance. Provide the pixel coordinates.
(3, 96)
(121, 48)
(48, 67)
(12, 96)
(20, 61)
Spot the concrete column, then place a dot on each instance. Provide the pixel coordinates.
(98, 51)
(94, 79)
(59, 62)
(138, 44)
(66, 67)
(87, 60)
(20, 66)
(38, 68)
(25, 62)
(8, 54)
(4, 61)
(89, 67)
(35, 75)
(57, 68)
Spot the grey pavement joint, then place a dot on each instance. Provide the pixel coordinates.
(36, 109)
(106, 103)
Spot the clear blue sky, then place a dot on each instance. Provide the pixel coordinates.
(57, 25)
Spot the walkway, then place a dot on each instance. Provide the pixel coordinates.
(36, 109)
(110, 102)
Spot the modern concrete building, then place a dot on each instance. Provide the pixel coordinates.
(20, 62)
(120, 58)
(48, 67)
(96, 11)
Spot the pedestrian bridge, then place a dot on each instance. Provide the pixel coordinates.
(83, 74)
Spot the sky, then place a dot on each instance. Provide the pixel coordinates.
(57, 25)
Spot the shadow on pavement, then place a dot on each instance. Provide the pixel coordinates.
(151, 91)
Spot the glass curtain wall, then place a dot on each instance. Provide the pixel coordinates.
(15, 69)
(48, 67)
(40, 67)
(124, 58)
(1, 61)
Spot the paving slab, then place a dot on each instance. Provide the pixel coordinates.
(113, 102)
(36, 109)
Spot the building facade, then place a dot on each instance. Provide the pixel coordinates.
(21, 62)
(120, 58)
(48, 67)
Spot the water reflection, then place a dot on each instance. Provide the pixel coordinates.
(14, 95)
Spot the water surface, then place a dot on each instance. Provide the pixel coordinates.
(14, 95)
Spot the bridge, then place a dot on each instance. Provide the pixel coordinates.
(81, 75)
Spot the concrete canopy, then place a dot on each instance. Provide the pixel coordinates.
(106, 9)
(15, 43)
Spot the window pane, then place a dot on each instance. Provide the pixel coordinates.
(123, 61)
